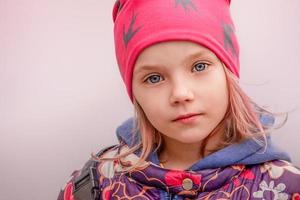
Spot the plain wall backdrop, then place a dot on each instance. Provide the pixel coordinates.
(61, 95)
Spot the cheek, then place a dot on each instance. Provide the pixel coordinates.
(155, 113)
(150, 107)
(150, 102)
(155, 119)
(217, 101)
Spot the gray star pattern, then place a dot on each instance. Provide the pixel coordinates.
(187, 4)
(127, 36)
(227, 31)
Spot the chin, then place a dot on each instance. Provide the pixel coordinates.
(190, 138)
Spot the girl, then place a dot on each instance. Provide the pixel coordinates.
(196, 134)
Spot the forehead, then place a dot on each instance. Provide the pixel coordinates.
(171, 52)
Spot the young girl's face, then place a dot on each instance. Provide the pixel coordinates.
(176, 78)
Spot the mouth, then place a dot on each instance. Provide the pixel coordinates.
(186, 117)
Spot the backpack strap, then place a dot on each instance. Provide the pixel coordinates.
(86, 185)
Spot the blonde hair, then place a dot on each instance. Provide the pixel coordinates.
(240, 122)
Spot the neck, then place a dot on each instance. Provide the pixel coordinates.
(176, 155)
(181, 156)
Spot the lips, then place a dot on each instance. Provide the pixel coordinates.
(185, 116)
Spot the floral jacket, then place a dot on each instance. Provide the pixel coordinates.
(235, 172)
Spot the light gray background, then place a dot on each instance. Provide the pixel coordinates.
(62, 96)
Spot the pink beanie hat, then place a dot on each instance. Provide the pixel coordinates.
(141, 23)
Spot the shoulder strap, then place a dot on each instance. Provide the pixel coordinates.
(86, 185)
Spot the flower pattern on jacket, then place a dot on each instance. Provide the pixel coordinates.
(276, 171)
(277, 180)
(296, 196)
(277, 190)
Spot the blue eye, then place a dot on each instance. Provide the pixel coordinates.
(200, 67)
(153, 79)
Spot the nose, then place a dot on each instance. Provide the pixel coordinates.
(181, 93)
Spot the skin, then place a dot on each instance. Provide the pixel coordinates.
(178, 77)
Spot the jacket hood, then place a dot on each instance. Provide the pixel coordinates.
(248, 152)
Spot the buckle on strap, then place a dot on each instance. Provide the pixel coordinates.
(86, 186)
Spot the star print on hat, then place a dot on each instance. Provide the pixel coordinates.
(187, 4)
(127, 35)
(141, 23)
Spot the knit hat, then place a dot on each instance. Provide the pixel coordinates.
(141, 23)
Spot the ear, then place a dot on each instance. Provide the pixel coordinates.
(228, 1)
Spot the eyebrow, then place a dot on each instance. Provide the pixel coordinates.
(153, 67)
